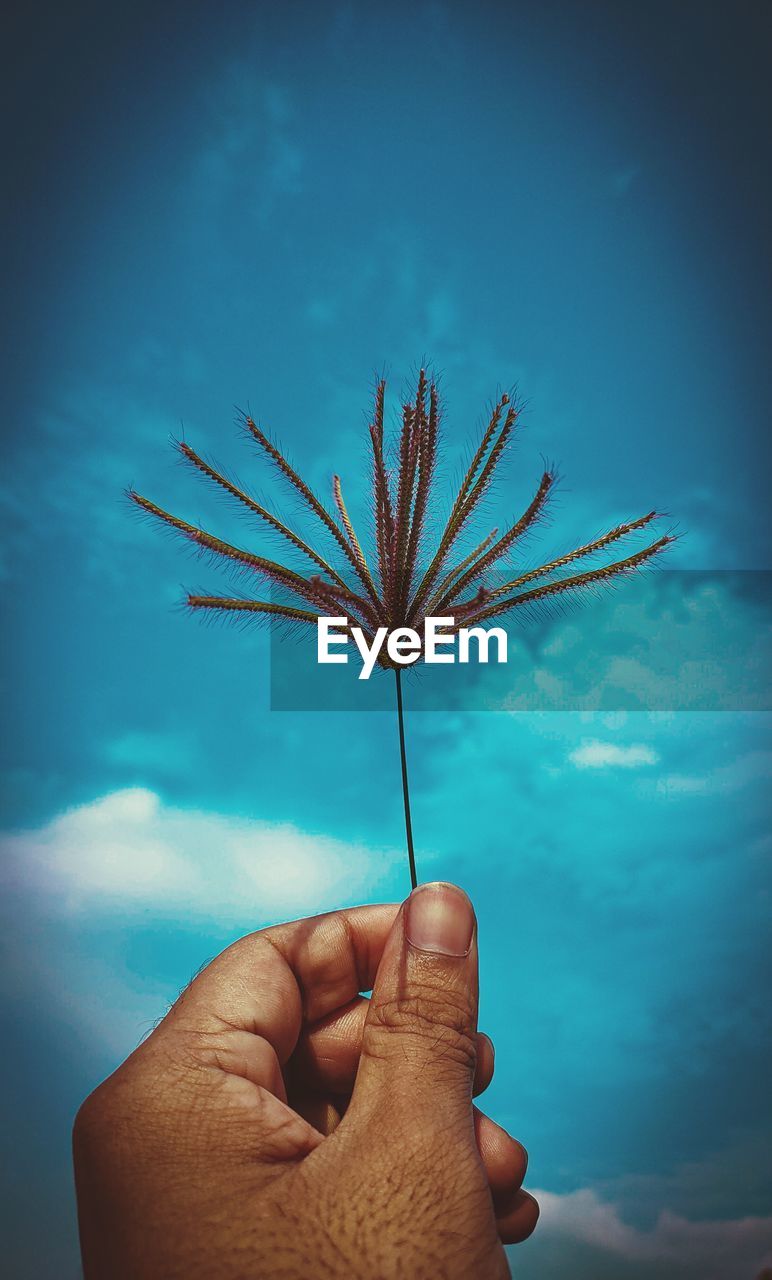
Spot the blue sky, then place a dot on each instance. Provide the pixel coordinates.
(263, 208)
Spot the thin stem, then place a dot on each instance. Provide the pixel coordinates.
(405, 788)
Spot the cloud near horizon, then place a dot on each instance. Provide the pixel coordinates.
(673, 1246)
(128, 853)
(130, 850)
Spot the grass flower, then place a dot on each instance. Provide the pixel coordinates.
(416, 567)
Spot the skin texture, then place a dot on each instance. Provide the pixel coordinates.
(279, 1124)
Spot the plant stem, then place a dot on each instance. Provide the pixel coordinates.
(405, 787)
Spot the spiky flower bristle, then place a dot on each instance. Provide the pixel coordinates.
(389, 589)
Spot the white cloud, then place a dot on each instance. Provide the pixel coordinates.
(594, 754)
(720, 1249)
(130, 849)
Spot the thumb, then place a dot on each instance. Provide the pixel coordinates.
(419, 1046)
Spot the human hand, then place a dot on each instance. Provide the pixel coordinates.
(278, 1124)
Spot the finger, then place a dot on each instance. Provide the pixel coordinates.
(419, 1046)
(505, 1159)
(328, 1052)
(321, 1113)
(267, 982)
(246, 1056)
(484, 1066)
(334, 957)
(517, 1218)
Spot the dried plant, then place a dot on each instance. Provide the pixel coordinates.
(403, 580)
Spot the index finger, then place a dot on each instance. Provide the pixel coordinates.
(268, 982)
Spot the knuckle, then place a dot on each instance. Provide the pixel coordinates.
(437, 1022)
(94, 1119)
(135, 1099)
(85, 1122)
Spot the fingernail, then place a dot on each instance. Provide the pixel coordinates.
(439, 918)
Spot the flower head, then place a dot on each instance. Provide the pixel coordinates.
(404, 578)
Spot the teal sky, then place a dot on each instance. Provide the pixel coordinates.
(261, 208)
